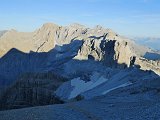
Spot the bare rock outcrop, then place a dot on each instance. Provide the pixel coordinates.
(99, 44)
(149, 64)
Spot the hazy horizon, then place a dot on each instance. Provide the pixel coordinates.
(129, 18)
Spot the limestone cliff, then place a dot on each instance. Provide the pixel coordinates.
(99, 44)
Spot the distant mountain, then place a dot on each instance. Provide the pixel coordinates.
(148, 41)
(57, 64)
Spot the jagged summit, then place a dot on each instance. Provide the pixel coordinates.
(49, 25)
(97, 42)
(76, 25)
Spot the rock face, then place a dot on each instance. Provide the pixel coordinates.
(111, 52)
(149, 64)
(41, 40)
(30, 61)
(13, 39)
(44, 38)
(98, 44)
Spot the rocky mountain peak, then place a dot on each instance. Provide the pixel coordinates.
(76, 25)
(49, 25)
(98, 43)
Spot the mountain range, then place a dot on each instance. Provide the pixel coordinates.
(93, 73)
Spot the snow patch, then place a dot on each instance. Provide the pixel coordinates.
(123, 85)
(81, 86)
(76, 86)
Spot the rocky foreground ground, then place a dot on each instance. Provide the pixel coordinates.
(108, 107)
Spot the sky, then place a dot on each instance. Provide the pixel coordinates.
(127, 17)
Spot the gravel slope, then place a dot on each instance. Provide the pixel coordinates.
(108, 107)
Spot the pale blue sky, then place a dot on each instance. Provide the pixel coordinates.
(127, 17)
